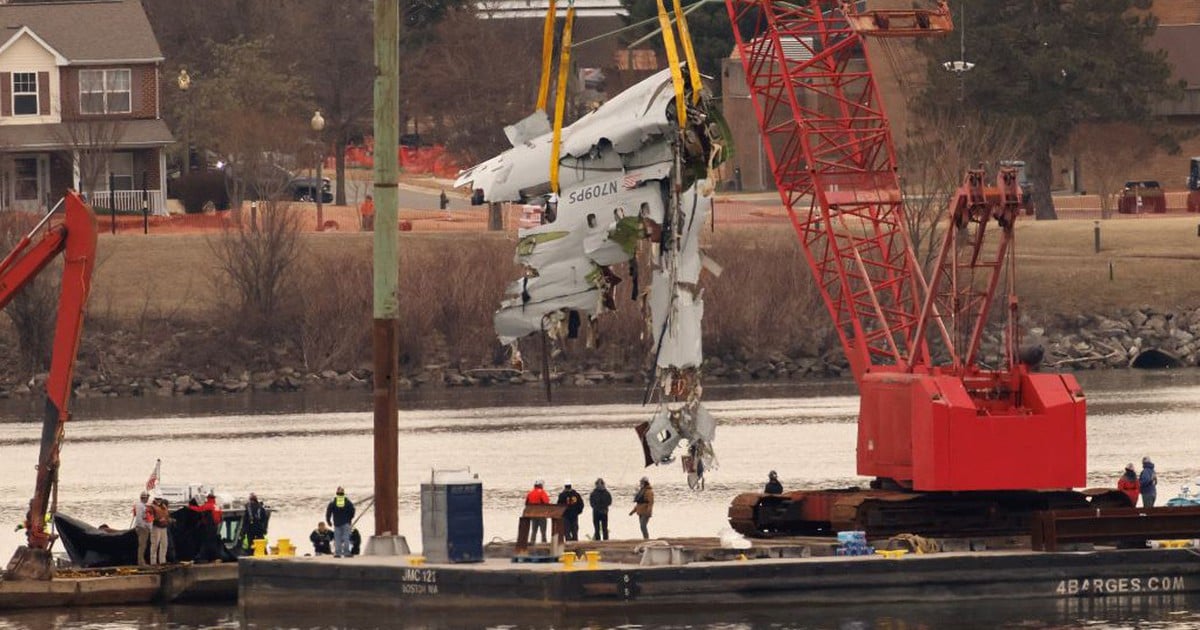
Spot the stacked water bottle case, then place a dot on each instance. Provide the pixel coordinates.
(853, 543)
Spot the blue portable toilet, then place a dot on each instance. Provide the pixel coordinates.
(452, 517)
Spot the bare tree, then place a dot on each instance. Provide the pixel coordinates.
(471, 86)
(342, 77)
(250, 112)
(91, 143)
(1108, 153)
(933, 161)
(259, 266)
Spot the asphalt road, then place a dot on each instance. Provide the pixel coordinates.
(411, 196)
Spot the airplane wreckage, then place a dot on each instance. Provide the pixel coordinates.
(632, 178)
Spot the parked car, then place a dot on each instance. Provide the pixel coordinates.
(1142, 196)
(304, 189)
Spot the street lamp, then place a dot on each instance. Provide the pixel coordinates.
(185, 82)
(961, 66)
(318, 124)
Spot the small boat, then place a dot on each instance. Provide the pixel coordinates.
(189, 539)
(1185, 498)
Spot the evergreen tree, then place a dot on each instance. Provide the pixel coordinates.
(1049, 66)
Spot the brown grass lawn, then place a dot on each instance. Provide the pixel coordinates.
(1156, 262)
(175, 273)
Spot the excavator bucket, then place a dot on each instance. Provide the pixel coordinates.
(30, 564)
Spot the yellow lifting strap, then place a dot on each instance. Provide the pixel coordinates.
(560, 100)
(664, 22)
(689, 52)
(547, 57)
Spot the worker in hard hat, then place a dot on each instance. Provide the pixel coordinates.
(538, 496)
(570, 498)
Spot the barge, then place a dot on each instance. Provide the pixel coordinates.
(174, 583)
(699, 576)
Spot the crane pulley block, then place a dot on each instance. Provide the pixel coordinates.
(900, 22)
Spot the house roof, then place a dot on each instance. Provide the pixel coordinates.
(1182, 43)
(133, 134)
(86, 31)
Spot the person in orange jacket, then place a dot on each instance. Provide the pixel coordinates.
(210, 523)
(1128, 483)
(367, 211)
(537, 496)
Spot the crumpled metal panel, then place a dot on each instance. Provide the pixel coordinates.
(555, 288)
(697, 208)
(679, 347)
(671, 425)
(626, 123)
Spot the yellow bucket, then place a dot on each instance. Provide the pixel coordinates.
(260, 546)
(568, 560)
(286, 548)
(593, 559)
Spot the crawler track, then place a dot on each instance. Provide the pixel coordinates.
(888, 512)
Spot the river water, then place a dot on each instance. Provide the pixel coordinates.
(294, 450)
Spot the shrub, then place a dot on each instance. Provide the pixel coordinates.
(335, 310)
(196, 190)
(259, 265)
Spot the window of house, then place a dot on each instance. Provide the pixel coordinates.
(26, 179)
(25, 93)
(120, 168)
(104, 92)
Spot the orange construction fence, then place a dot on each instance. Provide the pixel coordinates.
(431, 160)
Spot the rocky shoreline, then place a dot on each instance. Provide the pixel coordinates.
(1140, 338)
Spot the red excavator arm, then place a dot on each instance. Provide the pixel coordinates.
(75, 239)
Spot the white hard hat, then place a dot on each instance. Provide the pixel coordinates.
(567, 483)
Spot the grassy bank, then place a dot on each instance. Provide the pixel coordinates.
(159, 304)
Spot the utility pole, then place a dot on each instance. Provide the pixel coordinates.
(386, 325)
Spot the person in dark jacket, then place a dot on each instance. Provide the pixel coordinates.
(1128, 483)
(773, 484)
(1148, 483)
(254, 521)
(321, 538)
(600, 499)
(574, 502)
(340, 515)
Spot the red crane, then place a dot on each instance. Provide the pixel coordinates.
(951, 445)
(75, 239)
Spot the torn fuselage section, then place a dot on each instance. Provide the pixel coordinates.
(633, 187)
